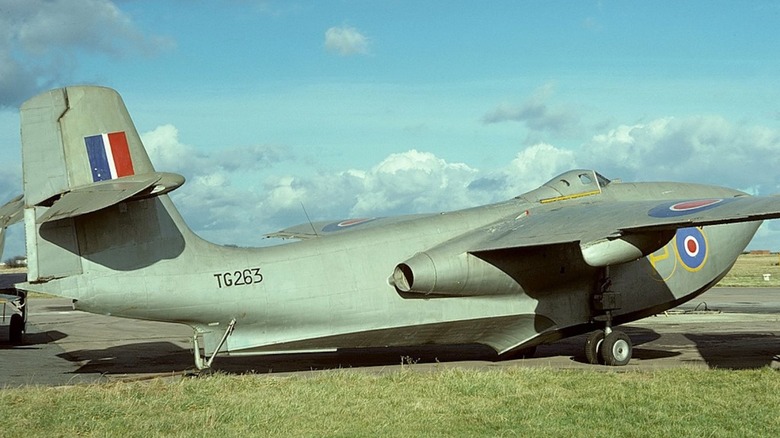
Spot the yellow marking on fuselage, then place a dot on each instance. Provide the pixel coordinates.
(657, 258)
(566, 197)
(665, 255)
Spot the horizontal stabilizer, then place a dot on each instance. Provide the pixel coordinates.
(5, 298)
(103, 194)
(12, 212)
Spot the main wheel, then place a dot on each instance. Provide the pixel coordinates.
(15, 328)
(593, 347)
(616, 348)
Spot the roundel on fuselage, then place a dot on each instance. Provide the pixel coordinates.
(691, 248)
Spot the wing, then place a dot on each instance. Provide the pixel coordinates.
(643, 225)
(601, 233)
(328, 228)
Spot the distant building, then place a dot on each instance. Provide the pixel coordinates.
(760, 252)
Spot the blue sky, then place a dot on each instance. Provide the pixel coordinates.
(369, 108)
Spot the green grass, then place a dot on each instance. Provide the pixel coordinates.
(749, 271)
(507, 402)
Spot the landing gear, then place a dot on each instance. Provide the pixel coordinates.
(613, 348)
(616, 349)
(18, 323)
(608, 347)
(16, 328)
(203, 364)
(593, 348)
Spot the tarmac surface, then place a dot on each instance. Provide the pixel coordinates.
(731, 328)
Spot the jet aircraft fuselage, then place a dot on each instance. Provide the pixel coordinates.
(576, 254)
(337, 290)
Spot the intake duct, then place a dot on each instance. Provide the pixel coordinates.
(440, 273)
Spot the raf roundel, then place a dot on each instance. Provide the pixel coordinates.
(694, 205)
(691, 246)
(348, 223)
(682, 208)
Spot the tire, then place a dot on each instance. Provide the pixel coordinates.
(592, 348)
(15, 328)
(616, 349)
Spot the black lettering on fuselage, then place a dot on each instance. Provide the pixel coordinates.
(242, 277)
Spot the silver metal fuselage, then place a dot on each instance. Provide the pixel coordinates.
(336, 291)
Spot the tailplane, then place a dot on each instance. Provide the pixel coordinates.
(92, 197)
(10, 213)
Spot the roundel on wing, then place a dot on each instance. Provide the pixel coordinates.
(337, 226)
(694, 205)
(691, 246)
(682, 208)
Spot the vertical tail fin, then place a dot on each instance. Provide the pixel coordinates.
(76, 136)
(90, 190)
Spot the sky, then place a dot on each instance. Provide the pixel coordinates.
(376, 108)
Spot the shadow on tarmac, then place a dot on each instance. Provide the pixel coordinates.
(737, 350)
(719, 350)
(30, 340)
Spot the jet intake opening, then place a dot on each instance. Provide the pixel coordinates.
(444, 274)
(403, 277)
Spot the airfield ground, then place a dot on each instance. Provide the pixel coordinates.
(708, 368)
(67, 347)
(741, 330)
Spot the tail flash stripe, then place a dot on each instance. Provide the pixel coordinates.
(121, 153)
(98, 160)
(109, 156)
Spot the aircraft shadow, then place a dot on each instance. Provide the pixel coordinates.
(737, 350)
(30, 340)
(719, 350)
(574, 347)
(139, 358)
(166, 357)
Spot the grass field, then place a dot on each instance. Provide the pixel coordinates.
(750, 269)
(405, 402)
(508, 402)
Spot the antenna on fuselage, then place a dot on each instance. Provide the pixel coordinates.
(309, 219)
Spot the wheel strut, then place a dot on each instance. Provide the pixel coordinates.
(201, 363)
(608, 346)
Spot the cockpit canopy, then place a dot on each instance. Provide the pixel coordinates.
(572, 184)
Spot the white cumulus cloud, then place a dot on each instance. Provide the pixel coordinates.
(346, 41)
(412, 182)
(230, 203)
(40, 41)
(708, 149)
